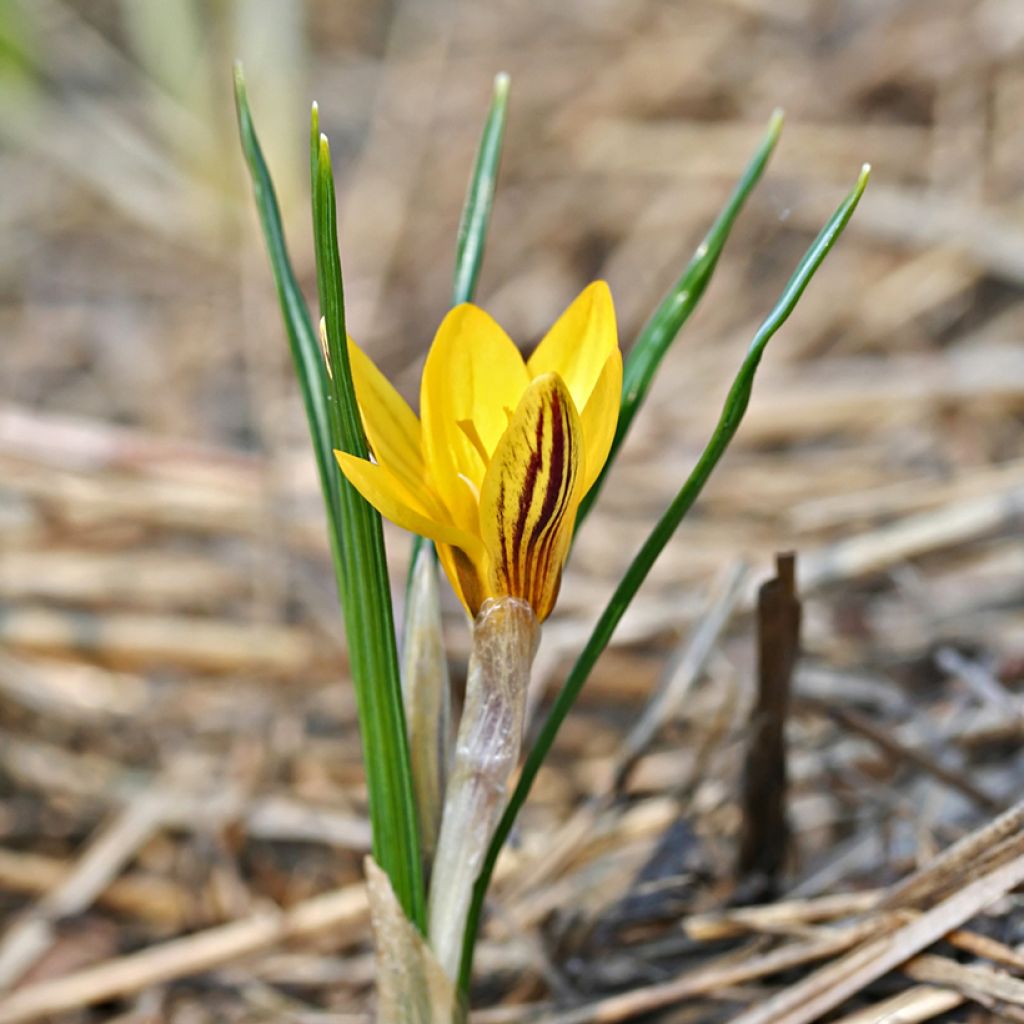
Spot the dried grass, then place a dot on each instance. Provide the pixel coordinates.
(182, 816)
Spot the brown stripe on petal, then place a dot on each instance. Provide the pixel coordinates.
(554, 504)
(563, 473)
(530, 494)
(526, 498)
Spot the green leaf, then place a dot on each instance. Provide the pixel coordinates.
(302, 336)
(731, 416)
(356, 541)
(664, 325)
(476, 219)
(366, 593)
(476, 212)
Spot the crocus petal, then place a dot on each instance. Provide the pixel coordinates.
(473, 375)
(467, 577)
(391, 426)
(600, 417)
(530, 495)
(579, 344)
(387, 494)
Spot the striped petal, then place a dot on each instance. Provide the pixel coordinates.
(600, 417)
(474, 376)
(580, 343)
(530, 495)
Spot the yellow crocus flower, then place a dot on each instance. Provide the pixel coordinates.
(506, 449)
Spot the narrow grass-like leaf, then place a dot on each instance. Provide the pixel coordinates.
(355, 532)
(476, 212)
(476, 217)
(302, 336)
(660, 331)
(366, 593)
(731, 416)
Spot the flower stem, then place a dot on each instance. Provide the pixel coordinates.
(486, 753)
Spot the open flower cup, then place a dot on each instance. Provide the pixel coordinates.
(505, 450)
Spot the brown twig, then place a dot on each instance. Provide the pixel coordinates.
(343, 912)
(765, 829)
(115, 844)
(828, 987)
(900, 751)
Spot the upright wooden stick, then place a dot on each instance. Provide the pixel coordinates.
(765, 829)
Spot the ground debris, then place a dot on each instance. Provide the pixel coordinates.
(182, 809)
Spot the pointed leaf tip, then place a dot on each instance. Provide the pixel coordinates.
(324, 152)
(241, 95)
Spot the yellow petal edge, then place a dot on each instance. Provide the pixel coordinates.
(495, 471)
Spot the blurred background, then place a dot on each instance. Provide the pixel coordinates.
(173, 700)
